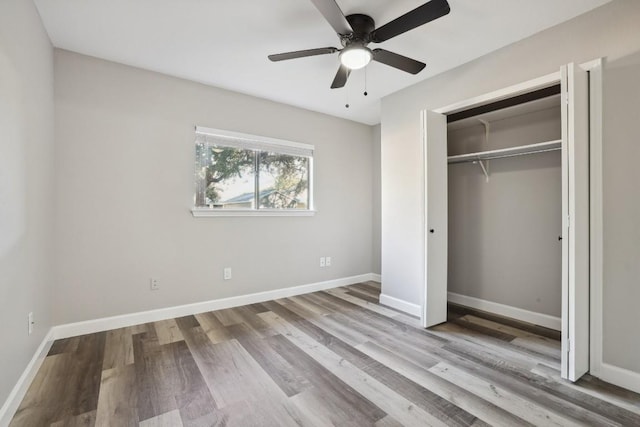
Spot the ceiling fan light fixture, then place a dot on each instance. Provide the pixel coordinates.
(356, 57)
(357, 30)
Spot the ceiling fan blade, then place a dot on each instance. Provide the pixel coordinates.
(410, 20)
(302, 53)
(341, 77)
(398, 61)
(332, 13)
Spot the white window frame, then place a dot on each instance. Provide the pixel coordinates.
(258, 143)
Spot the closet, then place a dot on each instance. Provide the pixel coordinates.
(506, 208)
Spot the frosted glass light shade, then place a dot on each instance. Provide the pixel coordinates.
(355, 58)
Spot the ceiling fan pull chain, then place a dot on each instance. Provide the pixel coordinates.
(365, 82)
(346, 92)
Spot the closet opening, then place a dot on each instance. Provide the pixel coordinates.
(504, 193)
(507, 223)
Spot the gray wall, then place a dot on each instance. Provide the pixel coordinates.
(503, 234)
(622, 213)
(26, 185)
(376, 208)
(125, 186)
(611, 31)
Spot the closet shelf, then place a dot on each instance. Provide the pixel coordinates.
(521, 150)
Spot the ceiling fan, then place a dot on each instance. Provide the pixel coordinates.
(357, 31)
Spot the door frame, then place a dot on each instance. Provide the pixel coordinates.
(576, 228)
(596, 215)
(595, 69)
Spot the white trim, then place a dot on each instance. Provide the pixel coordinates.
(594, 64)
(114, 322)
(504, 93)
(375, 277)
(523, 315)
(620, 377)
(596, 215)
(564, 344)
(402, 305)
(207, 213)
(514, 90)
(245, 136)
(424, 199)
(16, 395)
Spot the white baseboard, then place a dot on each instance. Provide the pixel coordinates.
(540, 319)
(620, 377)
(402, 305)
(114, 322)
(12, 403)
(376, 277)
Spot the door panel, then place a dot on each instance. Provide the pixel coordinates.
(434, 140)
(575, 210)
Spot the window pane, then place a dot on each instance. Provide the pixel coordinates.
(225, 177)
(283, 181)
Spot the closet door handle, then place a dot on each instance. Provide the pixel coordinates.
(432, 231)
(559, 237)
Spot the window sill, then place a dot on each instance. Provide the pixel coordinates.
(204, 213)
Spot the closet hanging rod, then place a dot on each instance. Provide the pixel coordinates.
(522, 150)
(504, 156)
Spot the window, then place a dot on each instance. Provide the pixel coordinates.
(238, 174)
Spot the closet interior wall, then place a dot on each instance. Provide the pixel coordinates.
(503, 234)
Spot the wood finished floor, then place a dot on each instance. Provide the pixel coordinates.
(327, 358)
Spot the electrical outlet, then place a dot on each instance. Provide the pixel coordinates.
(328, 261)
(322, 261)
(154, 284)
(31, 322)
(227, 273)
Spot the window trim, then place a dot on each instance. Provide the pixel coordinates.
(258, 143)
(208, 212)
(248, 141)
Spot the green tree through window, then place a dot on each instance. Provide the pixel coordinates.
(226, 178)
(290, 180)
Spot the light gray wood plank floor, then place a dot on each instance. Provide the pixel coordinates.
(328, 358)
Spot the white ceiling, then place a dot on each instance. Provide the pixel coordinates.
(225, 43)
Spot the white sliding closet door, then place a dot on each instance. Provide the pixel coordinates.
(575, 218)
(434, 140)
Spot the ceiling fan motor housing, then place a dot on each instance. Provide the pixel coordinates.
(362, 26)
